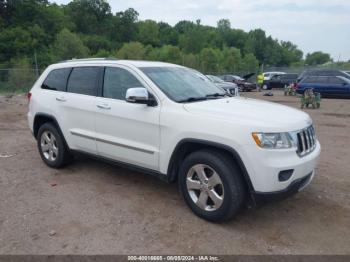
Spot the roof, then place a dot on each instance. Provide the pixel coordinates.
(136, 63)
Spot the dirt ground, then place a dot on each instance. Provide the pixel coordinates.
(92, 207)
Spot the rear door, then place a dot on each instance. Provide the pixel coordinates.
(320, 84)
(337, 86)
(126, 132)
(275, 81)
(78, 108)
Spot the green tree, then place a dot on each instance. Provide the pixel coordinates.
(231, 60)
(22, 76)
(124, 28)
(250, 64)
(317, 58)
(191, 60)
(171, 54)
(68, 45)
(89, 16)
(96, 43)
(167, 34)
(132, 50)
(209, 60)
(148, 32)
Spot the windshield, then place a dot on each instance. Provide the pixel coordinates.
(215, 79)
(182, 84)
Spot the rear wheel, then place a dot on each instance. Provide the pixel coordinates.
(52, 148)
(211, 185)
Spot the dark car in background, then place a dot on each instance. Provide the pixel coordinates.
(242, 82)
(230, 88)
(280, 81)
(323, 72)
(325, 85)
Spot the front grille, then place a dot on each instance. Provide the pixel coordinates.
(306, 139)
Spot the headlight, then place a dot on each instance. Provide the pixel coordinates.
(273, 140)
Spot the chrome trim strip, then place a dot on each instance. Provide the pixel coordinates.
(112, 143)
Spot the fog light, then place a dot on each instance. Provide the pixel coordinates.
(285, 175)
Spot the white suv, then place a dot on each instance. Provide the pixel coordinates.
(164, 120)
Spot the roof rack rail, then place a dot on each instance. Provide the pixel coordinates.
(88, 59)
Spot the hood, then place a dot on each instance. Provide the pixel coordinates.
(245, 77)
(226, 85)
(260, 115)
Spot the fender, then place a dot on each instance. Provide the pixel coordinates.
(52, 119)
(172, 174)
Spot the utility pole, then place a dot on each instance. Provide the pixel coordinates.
(36, 65)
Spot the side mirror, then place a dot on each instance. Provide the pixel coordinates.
(139, 95)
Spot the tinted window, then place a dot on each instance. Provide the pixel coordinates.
(286, 76)
(83, 80)
(335, 80)
(310, 80)
(322, 80)
(57, 79)
(117, 81)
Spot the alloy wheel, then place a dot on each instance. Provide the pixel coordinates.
(205, 187)
(49, 146)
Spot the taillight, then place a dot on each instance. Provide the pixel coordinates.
(29, 96)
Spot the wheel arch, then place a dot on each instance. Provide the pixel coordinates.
(42, 118)
(189, 145)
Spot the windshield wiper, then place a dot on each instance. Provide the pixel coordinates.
(193, 99)
(215, 95)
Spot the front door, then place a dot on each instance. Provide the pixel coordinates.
(125, 131)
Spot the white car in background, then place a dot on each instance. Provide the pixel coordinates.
(268, 75)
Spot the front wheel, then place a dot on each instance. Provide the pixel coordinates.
(211, 185)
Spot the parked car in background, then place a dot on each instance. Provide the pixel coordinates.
(325, 85)
(230, 88)
(280, 81)
(269, 75)
(323, 72)
(241, 82)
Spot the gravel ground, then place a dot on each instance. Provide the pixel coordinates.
(92, 207)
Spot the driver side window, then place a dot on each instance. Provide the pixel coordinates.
(117, 81)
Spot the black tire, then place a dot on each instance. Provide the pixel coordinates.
(63, 155)
(233, 186)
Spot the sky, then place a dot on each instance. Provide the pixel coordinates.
(314, 25)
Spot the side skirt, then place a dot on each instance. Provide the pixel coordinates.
(139, 169)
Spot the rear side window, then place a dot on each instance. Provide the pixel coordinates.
(335, 80)
(83, 80)
(117, 81)
(322, 80)
(57, 79)
(310, 79)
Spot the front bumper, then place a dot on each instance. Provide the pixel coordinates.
(265, 166)
(294, 187)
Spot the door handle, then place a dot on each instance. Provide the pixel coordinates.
(104, 106)
(61, 99)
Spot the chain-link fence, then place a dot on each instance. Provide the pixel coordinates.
(20, 80)
(16, 80)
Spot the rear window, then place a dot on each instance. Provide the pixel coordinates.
(57, 79)
(83, 80)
